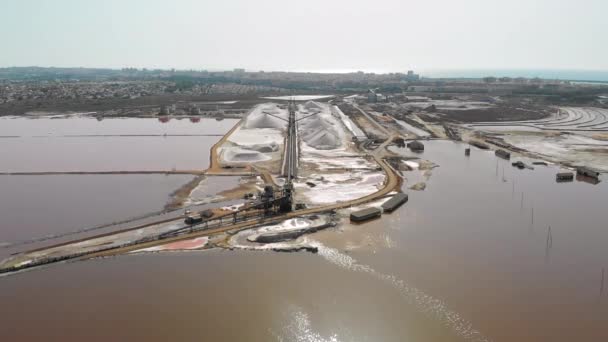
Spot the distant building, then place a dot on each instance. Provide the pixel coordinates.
(239, 71)
(411, 76)
(195, 110)
(372, 97)
(167, 109)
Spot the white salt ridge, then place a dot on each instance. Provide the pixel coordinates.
(285, 226)
(253, 137)
(566, 119)
(411, 164)
(243, 239)
(449, 104)
(333, 188)
(311, 152)
(240, 155)
(299, 97)
(319, 128)
(570, 148)
(266, 116)
(352, 127)
(23, 263)
(197, 243)
(312, 105)
(419, 132)
(318, 133)
(265, 121)
(259, 138)
(290, 224)
(234, 207)
(348, 163)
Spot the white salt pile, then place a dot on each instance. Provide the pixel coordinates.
(259, 138)
(267, 116)
(235, 154)
(319, 128)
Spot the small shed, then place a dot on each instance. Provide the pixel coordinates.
(395, 202)
(503, 154)
(415, 145)
(365, 214)
(587, 172)
(564, 176)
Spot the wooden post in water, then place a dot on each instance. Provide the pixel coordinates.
(548, 244)
(531, 229)
(532, 218)
(513, 191)
(602, 283)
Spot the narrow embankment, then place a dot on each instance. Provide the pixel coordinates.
(141, 172)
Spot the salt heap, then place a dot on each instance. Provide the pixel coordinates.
(310, 105)
(258, 139)
(241, 155)
(319, 128)
(267, 116)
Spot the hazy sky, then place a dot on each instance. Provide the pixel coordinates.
(382, 35)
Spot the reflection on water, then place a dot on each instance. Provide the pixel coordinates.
(41, 207)
(105, 154)
(299, 329)
(479, 240)
(466, 255)
(45, 127)
(210, 296)
(422, 301)
(38, 206)
(78, 144)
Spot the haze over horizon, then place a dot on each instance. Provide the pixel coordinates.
(382, 36)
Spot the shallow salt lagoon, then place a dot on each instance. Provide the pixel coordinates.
(471, 240)
(40, 207)
(83, 125)
(85, 144)
(461, 261)
(34, 207)
(285, 296)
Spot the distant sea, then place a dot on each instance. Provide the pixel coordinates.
(548, 74)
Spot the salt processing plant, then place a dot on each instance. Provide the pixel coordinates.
(304, 164)
(301, 156)
(334, 180)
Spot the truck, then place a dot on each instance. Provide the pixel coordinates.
(191, 219)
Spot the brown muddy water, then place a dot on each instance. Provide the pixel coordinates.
(85, 144)
(464, 260)
(207, 296)
(71, 126)
(36, 211)
(477, 239)
(38, 206)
